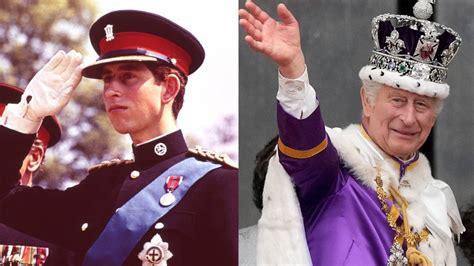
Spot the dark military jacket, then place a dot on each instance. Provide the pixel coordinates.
(200, 230)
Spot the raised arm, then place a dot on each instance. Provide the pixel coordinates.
(305, 150)
(46, 94)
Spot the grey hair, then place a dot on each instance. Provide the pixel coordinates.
(372, 89)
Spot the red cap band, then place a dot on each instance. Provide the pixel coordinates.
(44, 136)
(153, 43)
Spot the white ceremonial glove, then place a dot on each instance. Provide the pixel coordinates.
(51, 88)
(46, 94)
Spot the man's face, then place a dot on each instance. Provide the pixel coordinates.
(399, 121)
(132, 98)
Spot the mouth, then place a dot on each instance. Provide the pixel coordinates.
(406, 133)
(116, 108)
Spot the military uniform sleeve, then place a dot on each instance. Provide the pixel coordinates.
(224, 225)
(14, 148)
(220, 233)
(305, 150)
(48, 214)
(23, 208)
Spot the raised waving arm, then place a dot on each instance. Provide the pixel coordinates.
(278, 40)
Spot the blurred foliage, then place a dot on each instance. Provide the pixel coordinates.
(31, 31)
(226, 136)
(222, 137)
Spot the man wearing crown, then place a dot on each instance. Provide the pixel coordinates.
(363, 195)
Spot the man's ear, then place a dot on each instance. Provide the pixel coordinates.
(366, 107)
(37, 155)
(171, 88)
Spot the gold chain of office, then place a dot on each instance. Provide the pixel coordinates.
(403, 232)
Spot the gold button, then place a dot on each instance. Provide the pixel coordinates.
(134, 174)
(84, 226)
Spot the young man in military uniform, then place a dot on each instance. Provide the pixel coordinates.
(170, 204)
(14, 245)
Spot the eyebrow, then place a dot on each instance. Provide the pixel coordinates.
(396, 94)
(415, 98)
(426, 100)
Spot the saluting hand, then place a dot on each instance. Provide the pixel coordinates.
(280, 41)
(52, 87)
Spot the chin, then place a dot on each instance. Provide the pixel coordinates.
(121, 129)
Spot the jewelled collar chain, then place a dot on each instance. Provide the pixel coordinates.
(403, 232)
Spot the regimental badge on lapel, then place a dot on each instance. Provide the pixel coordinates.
(109, 32)
(155, 252)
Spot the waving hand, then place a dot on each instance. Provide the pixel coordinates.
(280, 41)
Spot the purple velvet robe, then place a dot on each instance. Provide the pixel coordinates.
(343, 219)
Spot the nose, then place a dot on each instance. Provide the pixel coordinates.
(408, 115)
(111, 89)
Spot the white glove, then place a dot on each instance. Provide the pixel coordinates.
(46, 94)
(51, 88)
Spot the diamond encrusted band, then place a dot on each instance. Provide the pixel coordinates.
(409, 67)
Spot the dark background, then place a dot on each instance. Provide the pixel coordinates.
(337, 42)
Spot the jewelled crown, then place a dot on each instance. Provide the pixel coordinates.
(412, 53)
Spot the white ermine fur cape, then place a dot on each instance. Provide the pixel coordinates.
(281, 237)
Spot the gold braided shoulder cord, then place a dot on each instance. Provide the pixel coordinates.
(402, 233)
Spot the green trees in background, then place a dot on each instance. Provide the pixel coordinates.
(31, 31)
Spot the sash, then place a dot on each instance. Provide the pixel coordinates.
(131, 221)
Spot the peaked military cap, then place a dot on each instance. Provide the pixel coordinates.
(131, 35)
(50, 130)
